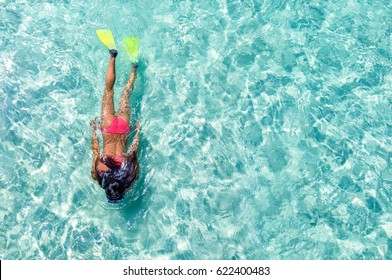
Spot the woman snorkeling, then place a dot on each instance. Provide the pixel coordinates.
(117, 169)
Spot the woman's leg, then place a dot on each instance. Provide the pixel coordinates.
(108, 113)
(124, 110)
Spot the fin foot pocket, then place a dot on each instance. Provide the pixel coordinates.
(113, 52)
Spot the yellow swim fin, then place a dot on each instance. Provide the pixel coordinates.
(106, 37)
(130, 45)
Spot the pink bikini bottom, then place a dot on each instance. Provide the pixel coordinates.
(118, 126)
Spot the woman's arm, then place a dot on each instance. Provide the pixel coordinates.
(136, 139)
(94, 148)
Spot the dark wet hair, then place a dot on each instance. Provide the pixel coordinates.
(119, 179)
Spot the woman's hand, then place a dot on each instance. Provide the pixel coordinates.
(137, 126)
(93, 123)
(136, 139)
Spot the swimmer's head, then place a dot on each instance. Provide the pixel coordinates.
(118, 179)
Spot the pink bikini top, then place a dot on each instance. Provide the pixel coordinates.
(118, 160)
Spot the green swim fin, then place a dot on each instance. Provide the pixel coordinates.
(106, 37)
(130, 45)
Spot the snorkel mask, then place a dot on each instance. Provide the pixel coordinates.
(116, 200)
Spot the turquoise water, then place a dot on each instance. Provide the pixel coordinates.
(266, 130)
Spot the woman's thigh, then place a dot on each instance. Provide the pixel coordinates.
(124, 110)
(107, 111)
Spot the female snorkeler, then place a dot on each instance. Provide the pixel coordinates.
(117, 169)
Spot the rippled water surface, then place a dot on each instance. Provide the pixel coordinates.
(266, 130)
